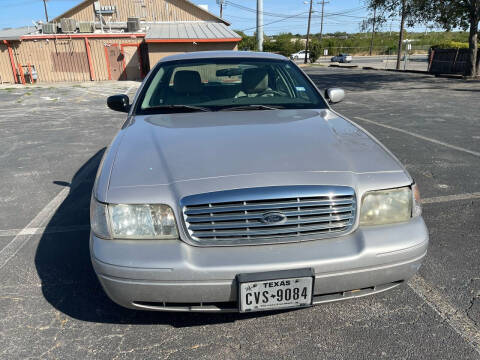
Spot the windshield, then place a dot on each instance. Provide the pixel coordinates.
(223, 84)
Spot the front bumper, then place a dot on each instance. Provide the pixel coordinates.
(172, 275)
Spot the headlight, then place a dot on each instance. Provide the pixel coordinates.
(386, 206)
(133, 221)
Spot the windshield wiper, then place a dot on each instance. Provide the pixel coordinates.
(251, 107)
(179, 107)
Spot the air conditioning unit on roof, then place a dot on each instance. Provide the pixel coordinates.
(86, 27)
(68, 25)
(49, 28)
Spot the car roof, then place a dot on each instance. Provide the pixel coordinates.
(223, 55)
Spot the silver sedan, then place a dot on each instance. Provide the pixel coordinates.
(233, 186)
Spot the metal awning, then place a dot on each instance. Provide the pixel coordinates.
(191, 32)
(16, 33)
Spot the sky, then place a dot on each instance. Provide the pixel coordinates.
(340, 15)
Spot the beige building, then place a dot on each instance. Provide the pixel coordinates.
(109, 40)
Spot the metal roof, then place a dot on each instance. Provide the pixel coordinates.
(190, 30)
(16, 33)
(222, 54)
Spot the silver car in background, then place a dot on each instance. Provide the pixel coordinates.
(233, 186)
(342, 58)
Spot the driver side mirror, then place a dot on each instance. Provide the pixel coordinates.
(335, 95)
(119, 103)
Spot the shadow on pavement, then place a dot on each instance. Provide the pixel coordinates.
(468, 90)
(356, 81)
(68, 280)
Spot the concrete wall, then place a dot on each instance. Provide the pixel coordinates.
(158, 51)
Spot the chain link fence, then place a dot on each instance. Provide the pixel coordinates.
(414, 57)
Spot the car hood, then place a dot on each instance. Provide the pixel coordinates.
(170, 148)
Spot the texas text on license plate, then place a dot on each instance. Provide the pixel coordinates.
(275, 290)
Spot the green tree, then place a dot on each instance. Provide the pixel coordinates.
(284, 44)
(247, 42)
(451, 14)
(315, 49)
(406, 9)
(299, 45)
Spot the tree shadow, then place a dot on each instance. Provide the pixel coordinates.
(68, 280)
(353, 80)
(467, 90)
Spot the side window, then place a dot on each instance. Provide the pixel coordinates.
(302, 90)
(282, 84)
(153, 94)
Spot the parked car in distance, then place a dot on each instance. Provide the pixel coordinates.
(234, 186)
(342, 58)
(299, 55)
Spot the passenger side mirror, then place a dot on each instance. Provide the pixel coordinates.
(119, 103)
(335, 95)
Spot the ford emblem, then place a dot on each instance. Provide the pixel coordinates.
(273, 218)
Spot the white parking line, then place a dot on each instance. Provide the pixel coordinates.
(459, 322)
(130, 89)
(438, 142)
(39, 221)
(43, 230)
(24, 235)
(448, 198)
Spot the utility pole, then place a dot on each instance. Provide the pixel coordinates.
(400, 38)
(221, 2)
(46, 12)
(260, 25)
(373, 31)
(308, 31)
(323, 11)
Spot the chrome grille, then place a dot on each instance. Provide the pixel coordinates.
(242, 216)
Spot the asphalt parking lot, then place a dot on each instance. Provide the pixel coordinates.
(382, 62)
(53, 307)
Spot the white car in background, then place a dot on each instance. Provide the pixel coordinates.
(299, 55)
(342, 58)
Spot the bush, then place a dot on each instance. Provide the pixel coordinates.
(451, 45)
(284, 45)
(315, 50)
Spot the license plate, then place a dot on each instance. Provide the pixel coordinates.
(275, 290)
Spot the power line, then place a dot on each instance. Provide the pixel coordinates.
(276, 21)
(272, 14)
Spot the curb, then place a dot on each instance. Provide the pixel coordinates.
(344, 66)
(399, 71)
